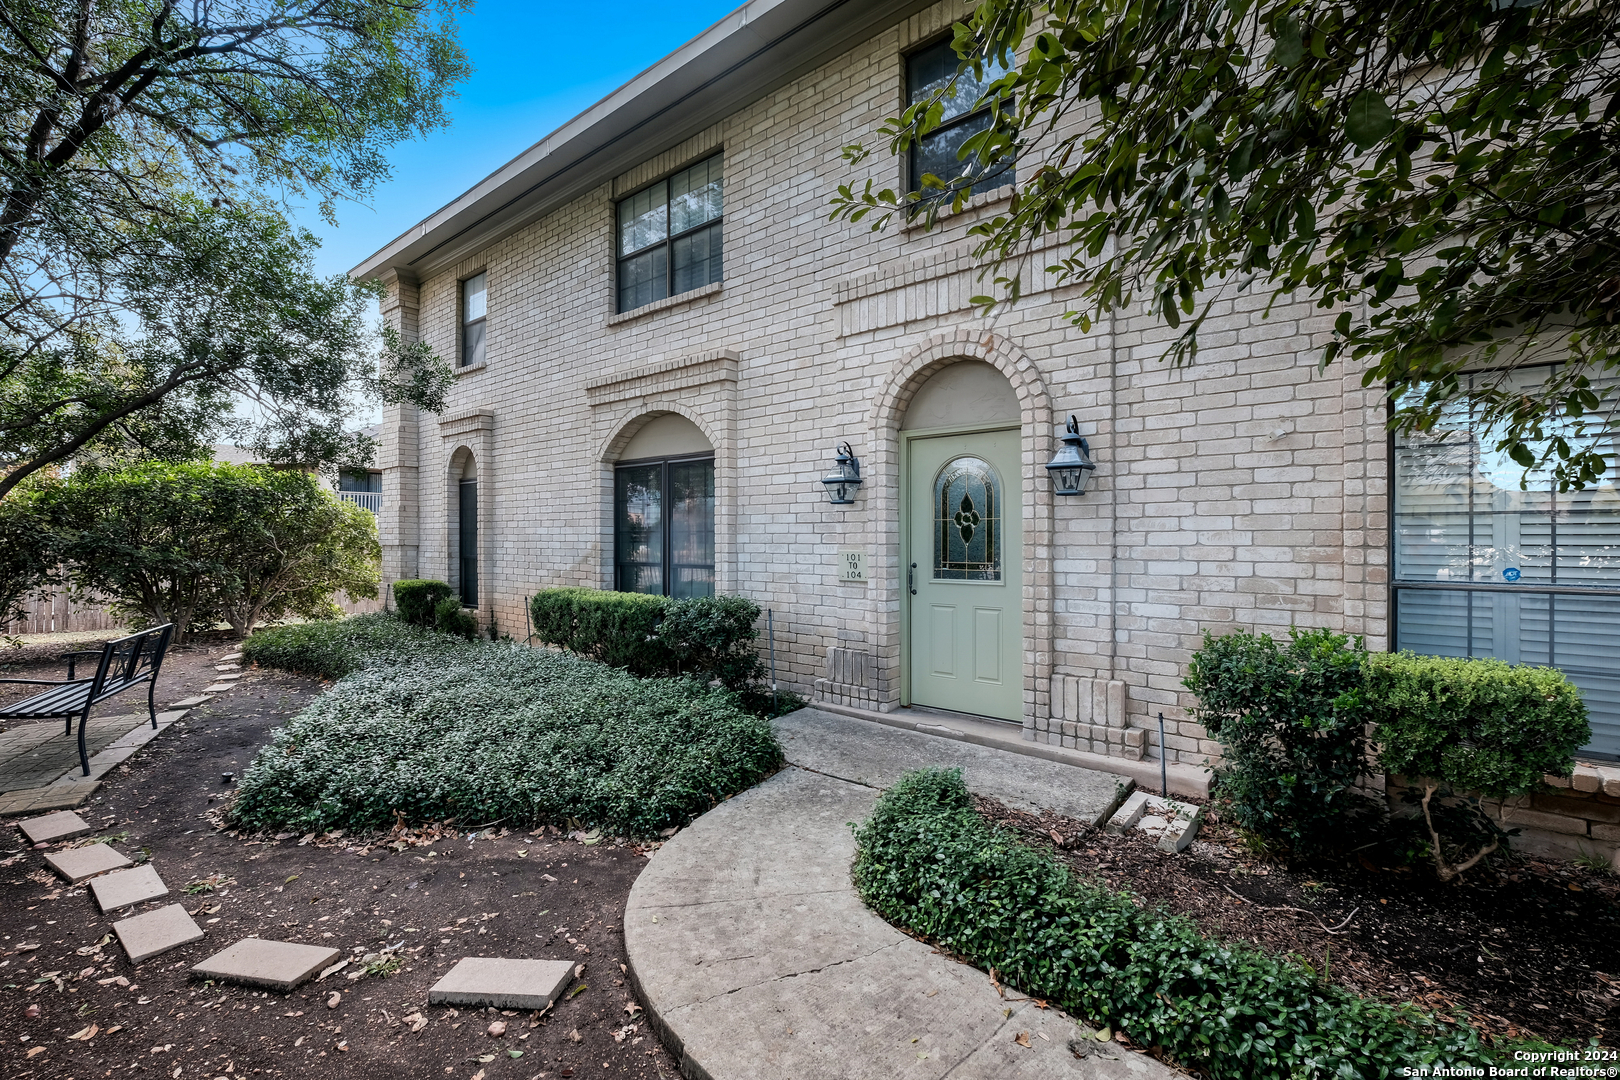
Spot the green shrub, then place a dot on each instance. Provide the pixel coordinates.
(711, 637)
(331, 650)
(1469, 728)
(619, 629)
(202, 542)
(927, 862)
(1291, 722)
(418, 599)
(449, 617)
(435, 727)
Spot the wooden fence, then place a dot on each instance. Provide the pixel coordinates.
(59, 613)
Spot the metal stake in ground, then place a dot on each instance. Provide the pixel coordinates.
(770, 633)
(1164, 773)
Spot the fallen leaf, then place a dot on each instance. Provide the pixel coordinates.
(1022, 1038)
(579, 969)
(514, 1053)
(576, 991)
(35, 1050)
(479, 1075)
(1105, 1034)
(85, 1034)
(486, 1058)
(497, 1029)
(333, 1000)
(574, 1035)
(1056, 837)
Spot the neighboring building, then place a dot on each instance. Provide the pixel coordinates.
(359, 485)
(661, 341)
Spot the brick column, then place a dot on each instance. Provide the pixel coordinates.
(397, 521)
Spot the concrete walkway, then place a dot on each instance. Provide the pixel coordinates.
(756, 958)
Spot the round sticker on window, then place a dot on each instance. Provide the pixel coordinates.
(1511, 573)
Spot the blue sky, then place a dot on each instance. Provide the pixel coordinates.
(536, 66)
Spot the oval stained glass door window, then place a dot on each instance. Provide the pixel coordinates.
(967, 521)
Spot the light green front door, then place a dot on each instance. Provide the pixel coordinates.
(964, 557)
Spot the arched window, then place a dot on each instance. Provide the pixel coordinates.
(663, 511)
(967, 521)
(467, 532)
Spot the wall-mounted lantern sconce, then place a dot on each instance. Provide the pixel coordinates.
(1071, 466)
(844, 479)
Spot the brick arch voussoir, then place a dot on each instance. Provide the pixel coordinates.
(926, 358)
(625, 430)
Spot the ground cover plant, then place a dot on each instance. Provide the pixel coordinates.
(429, 726)
(927, 861)
(1527, 947)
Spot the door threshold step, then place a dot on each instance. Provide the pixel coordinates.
(1183, 779)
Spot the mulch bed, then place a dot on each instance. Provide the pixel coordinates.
(1532, 949)
(435, 893)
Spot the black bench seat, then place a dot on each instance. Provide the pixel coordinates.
(122, 664)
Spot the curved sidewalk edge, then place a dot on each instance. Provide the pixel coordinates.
(756, 958)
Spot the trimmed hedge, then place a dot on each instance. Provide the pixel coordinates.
(418, 599)
(1481, 725)
(620, 629)
(711, 637)
(927, 862)
(436, 727)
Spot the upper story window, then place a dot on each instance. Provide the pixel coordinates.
(929, 72)
(669, 236)
(474, 309)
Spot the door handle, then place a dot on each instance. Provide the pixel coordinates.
(911, 579)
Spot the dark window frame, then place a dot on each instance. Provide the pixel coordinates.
(463, 324)
(670, 238)
(467, 526)
(1005, 177)
(665, 501)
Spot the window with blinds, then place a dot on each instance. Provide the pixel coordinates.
(1486, 567)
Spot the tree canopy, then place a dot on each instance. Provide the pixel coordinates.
(148, 152)
(198, 542)
(1440, 177)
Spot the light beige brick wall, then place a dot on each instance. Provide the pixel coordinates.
(1246, 491)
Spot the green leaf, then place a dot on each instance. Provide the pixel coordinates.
(1290, 47)
(1369, 119)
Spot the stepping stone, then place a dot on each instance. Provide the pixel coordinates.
(126, 887)
(218, 688)
(192, 702)
(52, 827)
(228, 667)
(81, 864)
(228, 678)
(230, 658)
(274, 965)
(148, 935)
(505, 984)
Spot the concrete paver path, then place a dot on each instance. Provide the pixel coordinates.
(757, 959)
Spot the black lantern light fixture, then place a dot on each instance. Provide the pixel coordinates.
(844, 479)
(1071, 466)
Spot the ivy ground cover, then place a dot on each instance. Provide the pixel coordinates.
(431, 727)
(928, 862)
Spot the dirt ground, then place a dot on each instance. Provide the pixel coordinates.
(1534, 949)
(424, 897)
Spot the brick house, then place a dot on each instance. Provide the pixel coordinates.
(640, 405)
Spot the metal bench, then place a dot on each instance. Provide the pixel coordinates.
(123, 663)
